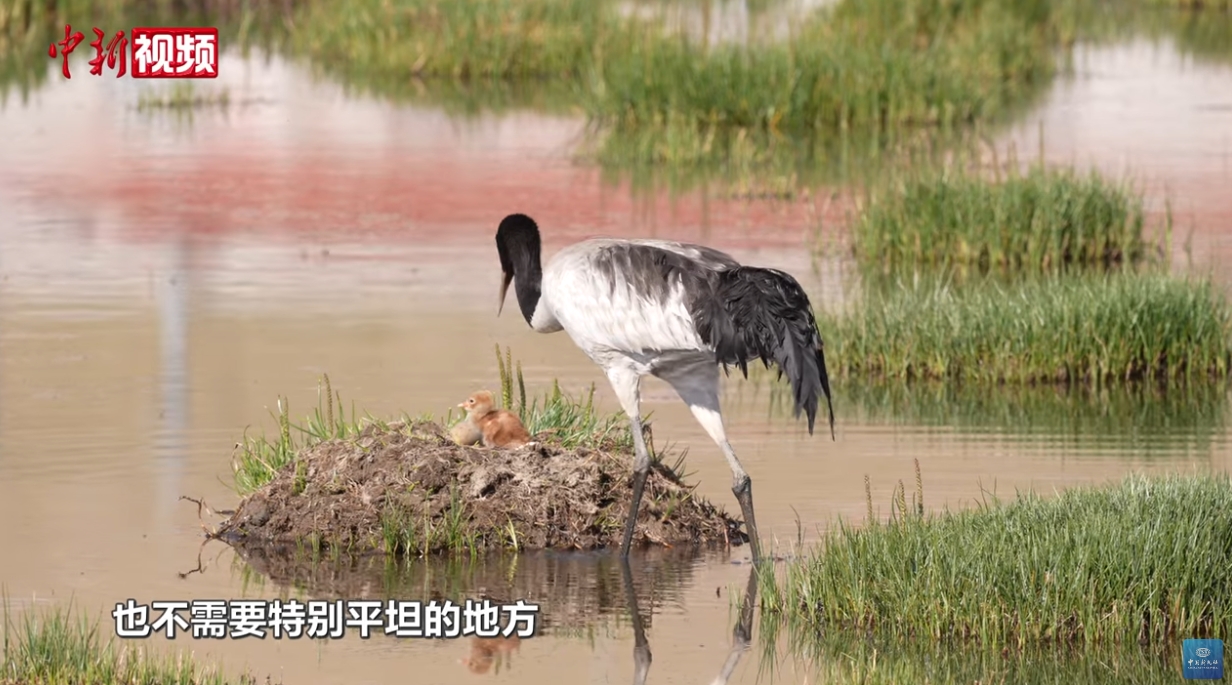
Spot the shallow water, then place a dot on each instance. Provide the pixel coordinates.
(164, 279)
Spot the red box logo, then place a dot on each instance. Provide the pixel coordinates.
(175, 53)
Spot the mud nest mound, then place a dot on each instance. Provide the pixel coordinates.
(409, 489)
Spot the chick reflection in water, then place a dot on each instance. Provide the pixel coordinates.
(741, 634)
(487, 652)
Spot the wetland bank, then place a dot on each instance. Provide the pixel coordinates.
(226, 290)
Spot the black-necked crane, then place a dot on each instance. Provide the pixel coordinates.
(674, 311)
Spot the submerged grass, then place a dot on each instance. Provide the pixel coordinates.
(1042, 220)
(1082, 328)
(1146, 559)
(54, 647)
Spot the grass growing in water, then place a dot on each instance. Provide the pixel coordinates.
(473, 40)
(1084, 328)
(1043, 220)
(1147, 559)
(878, 65)
(56, 647)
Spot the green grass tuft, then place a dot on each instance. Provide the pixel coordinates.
(1147, 559)
(869, 65)
(569, 422)
(873, 66)
(477, 40)
(413, 537)
(1083, 328)
(258, 458)
(1040, 221)
(53, 647)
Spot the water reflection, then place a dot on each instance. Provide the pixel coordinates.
(1203, 34)
(1141, 419)
(838, 657)
(172, 291)
(580, 594)
(741, 634)
(577, 591)
(487, 652)
(1136, 419)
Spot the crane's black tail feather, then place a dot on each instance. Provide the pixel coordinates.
(753, 313)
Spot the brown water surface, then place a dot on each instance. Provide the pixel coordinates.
(164, 279)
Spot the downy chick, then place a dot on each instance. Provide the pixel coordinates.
(499, 427)
(465, 432)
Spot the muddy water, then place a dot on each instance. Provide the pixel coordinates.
(164, 278)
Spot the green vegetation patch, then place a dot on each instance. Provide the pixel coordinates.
(1082, 328)
(54, 647)
(1147, 559)
(1039, 221)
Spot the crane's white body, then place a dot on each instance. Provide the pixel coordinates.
(629, 334)
(672, 310)
(601, 319)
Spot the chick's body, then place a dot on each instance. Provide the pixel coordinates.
(497, 427)
(466, 433)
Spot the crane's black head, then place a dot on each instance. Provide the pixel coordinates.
(517, 243)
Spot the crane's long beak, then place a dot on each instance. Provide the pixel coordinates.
(506, 278)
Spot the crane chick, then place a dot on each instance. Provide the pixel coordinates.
(466, 433)
(498, 427)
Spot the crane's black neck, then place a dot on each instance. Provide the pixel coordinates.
(517, 242)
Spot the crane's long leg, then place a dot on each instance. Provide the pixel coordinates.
(627, 384)
(698, 385)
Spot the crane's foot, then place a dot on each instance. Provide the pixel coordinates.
(744, 495)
